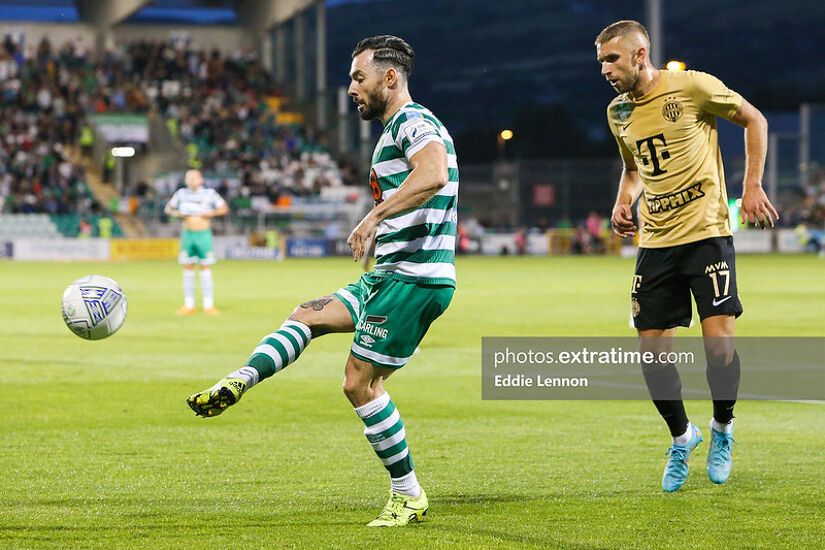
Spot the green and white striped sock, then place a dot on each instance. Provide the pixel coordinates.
(276, 351)
(388, 438)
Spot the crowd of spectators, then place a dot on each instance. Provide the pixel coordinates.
(807, 215)
(224, 109)
(809, 206)
(41, 104)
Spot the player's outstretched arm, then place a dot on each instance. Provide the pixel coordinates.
(756, 208)
(630, 187)
(427, 178)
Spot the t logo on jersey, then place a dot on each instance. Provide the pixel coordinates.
(654, 153)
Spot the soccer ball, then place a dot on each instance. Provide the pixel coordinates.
(94, 307)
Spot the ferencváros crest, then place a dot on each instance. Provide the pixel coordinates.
(672, 110)
(623, 111)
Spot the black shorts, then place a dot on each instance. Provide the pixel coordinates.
(665, 278)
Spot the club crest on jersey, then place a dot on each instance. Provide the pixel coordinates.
(635, 308)
(623, 111)
(672, 110)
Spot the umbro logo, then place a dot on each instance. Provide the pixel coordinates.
(367, 340)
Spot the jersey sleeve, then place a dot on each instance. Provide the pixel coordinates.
(415, 132)
(174, 202)
(216, 200)
(713, 97)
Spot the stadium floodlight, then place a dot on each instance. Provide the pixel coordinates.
(506, 135)
(123, 152)
(674, 65)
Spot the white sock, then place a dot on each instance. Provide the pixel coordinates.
(248, 374)
(407, 485)
(207, 288)
(684, 439)
(723, 428)
(189, 288)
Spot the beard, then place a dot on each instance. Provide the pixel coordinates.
(629, 82)
(374, 107)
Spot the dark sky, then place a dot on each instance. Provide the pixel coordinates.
(481, 62)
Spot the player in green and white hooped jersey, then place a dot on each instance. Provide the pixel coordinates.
(414, 179)
(196, 205)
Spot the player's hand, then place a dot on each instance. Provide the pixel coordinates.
(360, 237)
(366, 261)
(622, 221)
(756, 209)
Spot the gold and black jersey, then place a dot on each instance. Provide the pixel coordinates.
(670, 135)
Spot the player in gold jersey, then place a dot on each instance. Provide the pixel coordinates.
(665, 126)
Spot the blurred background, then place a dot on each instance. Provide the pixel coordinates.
(106, 104)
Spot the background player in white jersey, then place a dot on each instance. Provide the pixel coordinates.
(414, 181)
(196, 205)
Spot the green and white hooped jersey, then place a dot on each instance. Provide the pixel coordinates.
(193, 203)
(418, 245)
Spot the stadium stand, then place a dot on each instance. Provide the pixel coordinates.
(44, 96)
(225, 109)
(27, 225)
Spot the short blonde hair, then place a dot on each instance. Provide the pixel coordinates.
(622, 28)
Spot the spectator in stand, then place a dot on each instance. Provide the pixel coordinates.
(85, 229)
(594, 231)
(580, 243)
(521, 242)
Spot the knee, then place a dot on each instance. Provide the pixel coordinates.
(361, 383)
(307, 318)
(301, 315)
(311, 314)
(719, 356)
(358, 391)
(352, 387)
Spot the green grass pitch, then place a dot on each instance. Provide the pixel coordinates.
(99, 449)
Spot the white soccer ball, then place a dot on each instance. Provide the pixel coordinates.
(94, 307)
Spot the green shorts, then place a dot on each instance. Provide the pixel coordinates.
(391, 316)
(196, 248)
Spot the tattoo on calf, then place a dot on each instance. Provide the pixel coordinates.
(317, 305)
